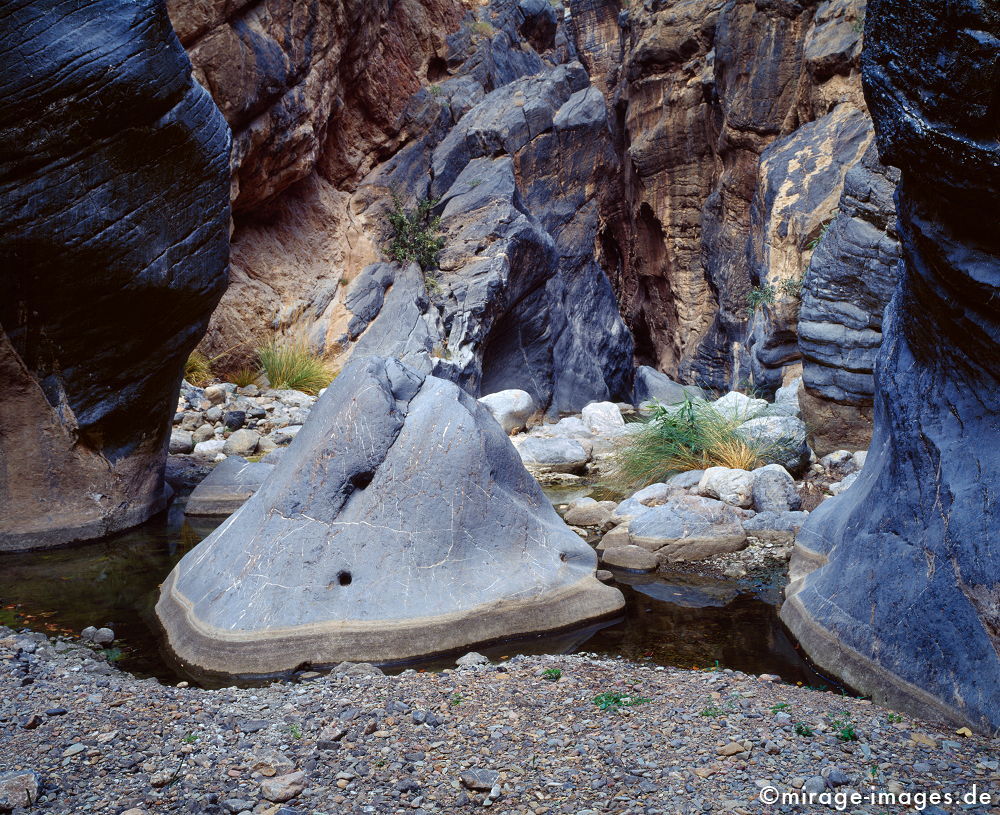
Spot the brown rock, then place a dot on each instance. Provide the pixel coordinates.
(283, 788)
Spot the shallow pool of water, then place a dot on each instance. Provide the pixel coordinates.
(668, 619)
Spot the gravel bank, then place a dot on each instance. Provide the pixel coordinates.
(505, 736)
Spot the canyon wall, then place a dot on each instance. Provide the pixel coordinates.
(484, 111)
(895, 580)
(738, 123)
(113, 248)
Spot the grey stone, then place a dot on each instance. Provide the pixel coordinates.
(784, 438)
(686, 480)
(689, 528)
(603, 418)
(774, 490)
(241, 443)
(840, 486)
(472, 658)
(553, 455)
(215, 394)
(511, 408)
(632, 558)
(227, 487)
(735, 487)
(234, 419)
(181, 441)
(104, 636)
(775, 526)
(283, 788)
(590, 513)
(839, 463)
(478, 779)
(426, 465)
(210, 449)
(737, 406)
(204, 432)
(653, 386)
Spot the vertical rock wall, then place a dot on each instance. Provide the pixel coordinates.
(114, 214)
(895, 581)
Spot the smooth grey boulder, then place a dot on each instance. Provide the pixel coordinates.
(542, 456)
(631, 558)
(774, 490)
(784, 439)
(227, 487)
(653, 386)
(401, 523)
(511, 408)
(733, 486)
(775, 526)
(689, 528)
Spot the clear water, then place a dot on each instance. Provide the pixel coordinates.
(668, 619)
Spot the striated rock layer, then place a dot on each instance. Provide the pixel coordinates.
(401, 523)
(736, 122)
(114, 215)
(895, 580)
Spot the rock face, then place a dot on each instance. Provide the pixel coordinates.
(736, 122)
(113, 249)
(850, 279)
(465, 548)
(486, 112)
(895, 580)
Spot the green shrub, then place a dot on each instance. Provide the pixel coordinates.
(613, 701)
(244, 375)
(198, 369)
(760, 296)
(692, 436)
(414, 234)
(483, 28)
(292, 365)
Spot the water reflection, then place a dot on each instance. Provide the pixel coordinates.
(671, 620)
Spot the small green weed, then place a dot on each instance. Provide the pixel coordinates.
(780, 706)
(843, 727)
(552, 674)
(113, 654)
(456, 699)
(190, 738)
(894, 718)
(824, 228)
(802, 729)
(760, 296)
(435, 90)
(611, 700)
(295, 730)
(483, 28)
(712, 711)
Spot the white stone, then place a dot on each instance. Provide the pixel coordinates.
(739, 407)
(511, 408)
(603, 418)
(735, 487)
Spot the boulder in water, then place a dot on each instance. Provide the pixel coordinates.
(400, 524)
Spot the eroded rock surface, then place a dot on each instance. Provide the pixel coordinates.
(114, 208)
(895, 579)
(400, 524)
(849, 282)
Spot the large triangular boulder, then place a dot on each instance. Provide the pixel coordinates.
(399, 524)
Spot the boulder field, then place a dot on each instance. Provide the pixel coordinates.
(399, 524)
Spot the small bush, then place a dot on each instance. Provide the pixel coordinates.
(198, 369)
(483, 28)
(552, 674)
(244, 376)
(414, 234)
(292, 365)
(613, 701)
(693, 436)
(760, 296)
(802, 729)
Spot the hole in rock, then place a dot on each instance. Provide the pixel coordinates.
(361, 480)
(563, 556)
(437, 69)
(344, 578)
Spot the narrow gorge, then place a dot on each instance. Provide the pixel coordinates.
(558, 406)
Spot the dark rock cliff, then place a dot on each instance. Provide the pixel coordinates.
(895, 581)
(113, 249)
